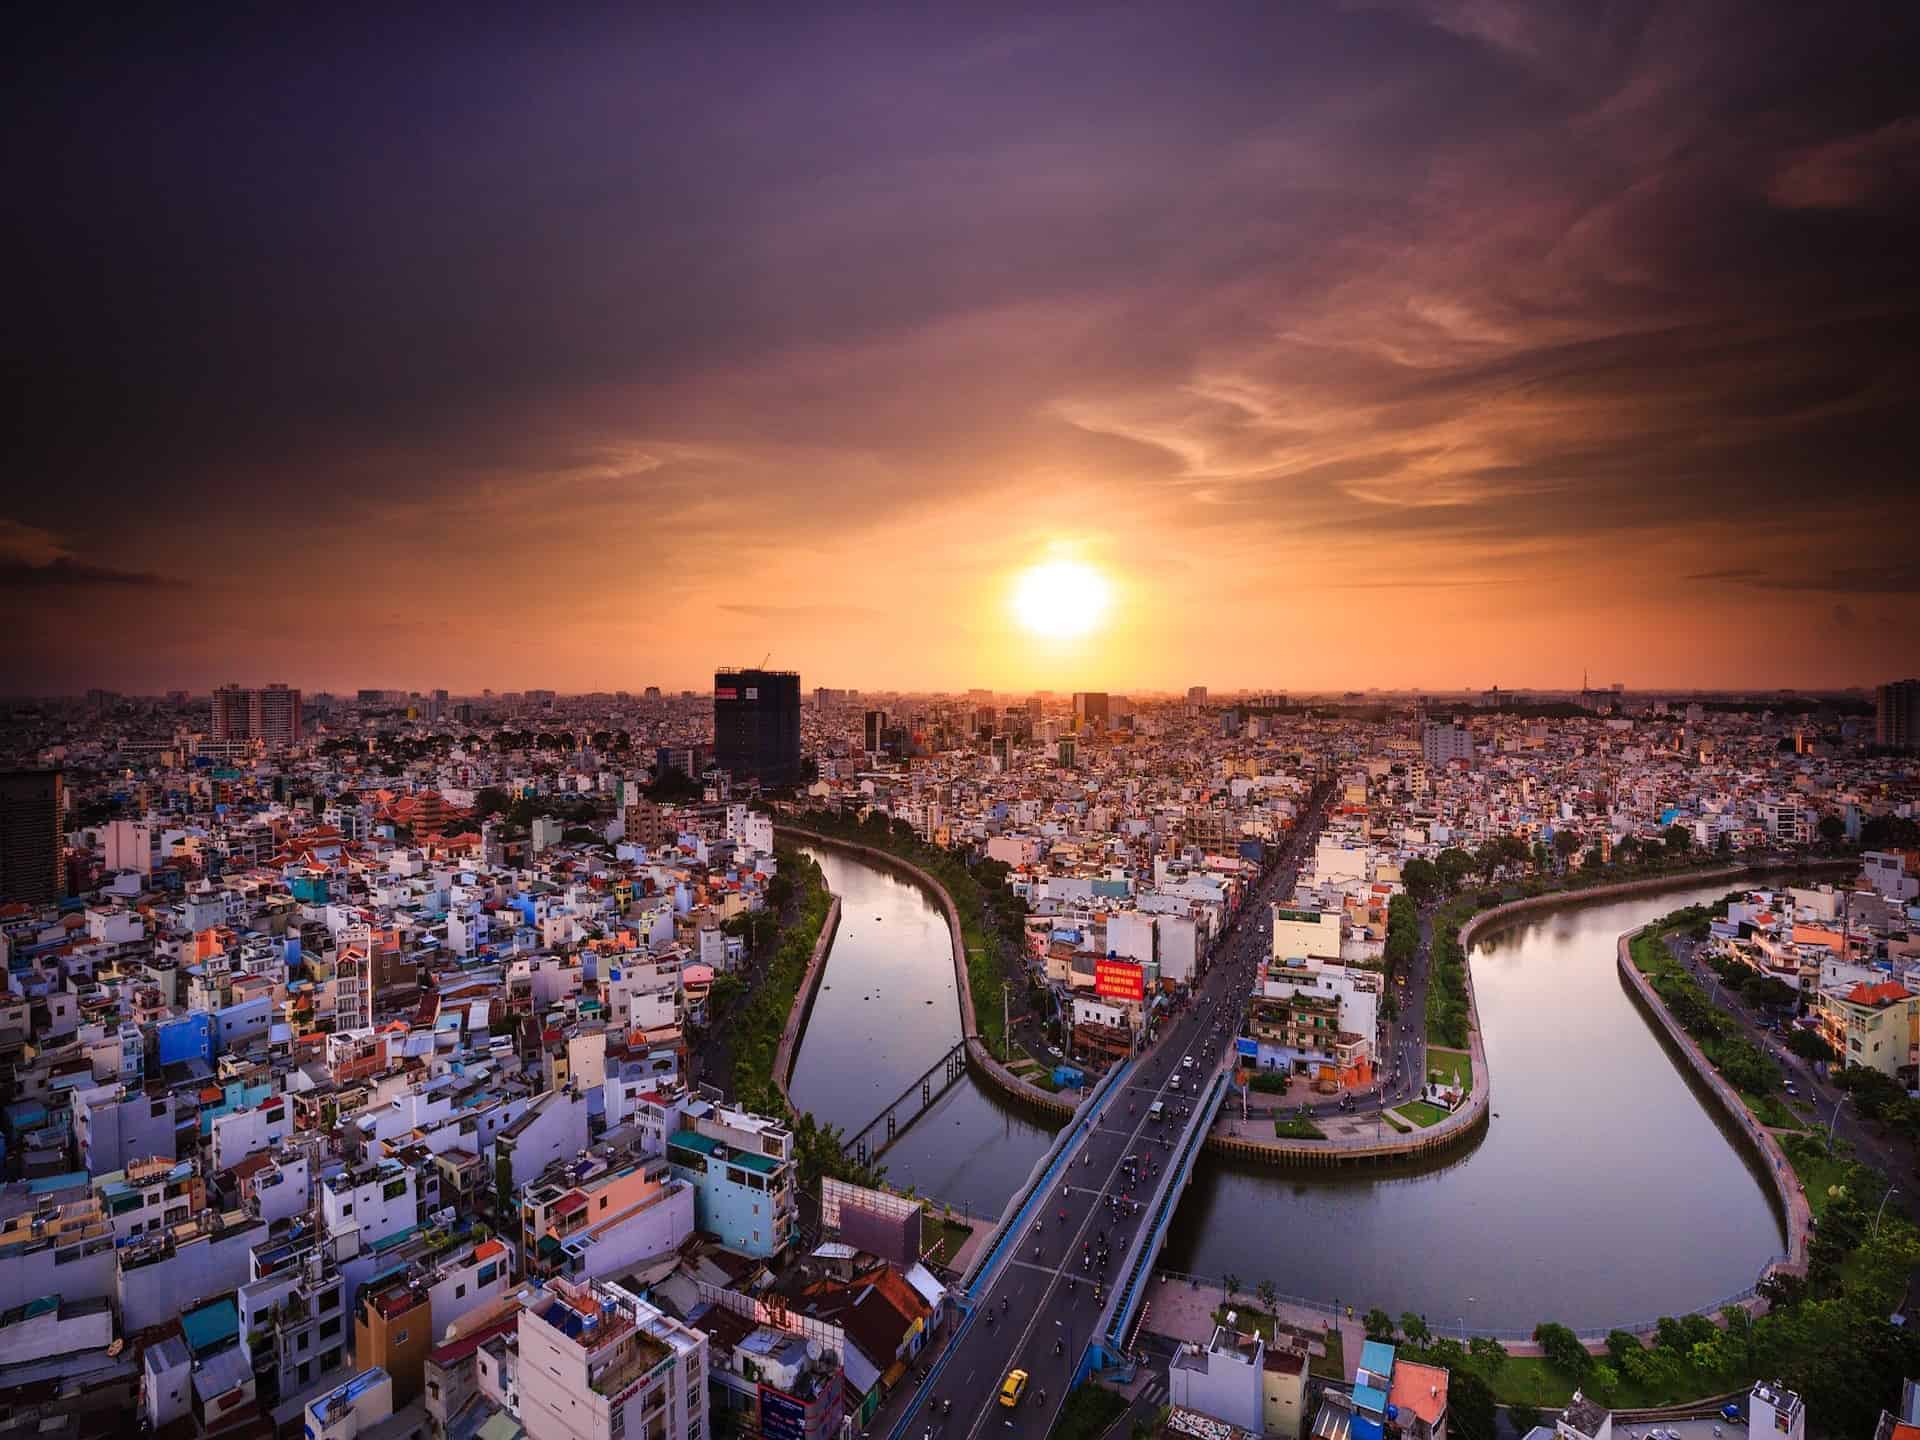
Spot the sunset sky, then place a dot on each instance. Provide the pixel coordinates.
(1384, 344)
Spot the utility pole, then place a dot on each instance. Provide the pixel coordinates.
(1006, 1022)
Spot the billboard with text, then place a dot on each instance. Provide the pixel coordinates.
(1121, 980)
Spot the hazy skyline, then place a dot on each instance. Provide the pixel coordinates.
(1435, 344)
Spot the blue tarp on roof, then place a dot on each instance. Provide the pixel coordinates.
(1377, 1356)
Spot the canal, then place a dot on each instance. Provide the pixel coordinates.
(1603, 1192)
(887, 1009)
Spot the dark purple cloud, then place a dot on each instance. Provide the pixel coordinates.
(1477, 280)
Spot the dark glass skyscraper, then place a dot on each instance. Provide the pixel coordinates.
(756, 724)
(30, 859)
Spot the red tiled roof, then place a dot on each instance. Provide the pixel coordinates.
(1884, 993)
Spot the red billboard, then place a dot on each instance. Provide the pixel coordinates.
(1121, 980)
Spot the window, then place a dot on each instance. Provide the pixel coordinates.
(329, 1328)
(460, 1292)
(487, 1272)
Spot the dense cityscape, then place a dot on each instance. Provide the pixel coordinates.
(853, 721)
(409, 1062)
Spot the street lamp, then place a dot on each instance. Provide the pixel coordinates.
(1835, 1121)
(1892, 1190)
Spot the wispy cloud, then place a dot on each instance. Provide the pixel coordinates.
(66, 571)
(1895, 579)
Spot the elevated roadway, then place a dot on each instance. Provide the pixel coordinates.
(1029, 1302)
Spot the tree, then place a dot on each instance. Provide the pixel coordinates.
(1414, 1326)
(503, 1185)
(1470, 1407)
(1489, 858)
(1421, 877)
(1562, 1349)
(1832, 829)
(1808, 1045)
(1565, 842)
(1627, 850)
(1514, 850)
(1679, 838)
(1269, 1297)
(1232, 1282)
(1523, 1418)
(1604, 1379)
(1488, 1353)
(1620, 1344)
(1378, 1324)
(1454, 865)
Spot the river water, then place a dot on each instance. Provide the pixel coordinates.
(1604, 1192)
(886, 1010)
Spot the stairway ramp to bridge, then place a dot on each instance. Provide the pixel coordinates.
(1111, 1336)
(1059, 1155)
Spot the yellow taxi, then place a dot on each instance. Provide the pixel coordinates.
(1013, 1387)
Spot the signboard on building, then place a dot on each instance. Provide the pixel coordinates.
(1119, 980)
(781, 1416)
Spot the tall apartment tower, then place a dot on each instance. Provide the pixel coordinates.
(1090, 708)
(231, 718)
(30, 859)
(1896, 715)
(876, 730)
(1440, 744)
(756, 724)
(272, 714)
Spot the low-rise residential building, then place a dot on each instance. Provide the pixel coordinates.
(743, 1174)
(1876, 1027)
(597, 1363)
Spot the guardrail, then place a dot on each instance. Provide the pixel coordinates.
(1244, 1298)
(1139, 1263)
(1041, 1176)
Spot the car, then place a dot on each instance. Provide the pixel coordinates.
(1187, 1064)
(1730, 1411)
(1054, 1050)
(1013, 1387)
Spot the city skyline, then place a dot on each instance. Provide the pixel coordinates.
(1477, 340)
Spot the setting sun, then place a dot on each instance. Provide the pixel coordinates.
(1061, 599)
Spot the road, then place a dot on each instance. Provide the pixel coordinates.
(1037, 1308)
(1819, 1103)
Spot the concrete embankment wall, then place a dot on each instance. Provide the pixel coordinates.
(1467, 1123)
(803, 1003)
(979, 1059)
(1790, 1200)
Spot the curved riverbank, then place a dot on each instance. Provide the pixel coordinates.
(1602, 1193)
(1469, 1122)
(979, 1059)
(803, 1004)
(1789, 1195)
